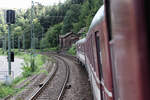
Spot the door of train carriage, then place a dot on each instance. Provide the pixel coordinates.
(99, 61)
(128, 41)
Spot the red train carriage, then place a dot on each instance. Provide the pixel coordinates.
(129, 48)
(115, 51)
(97, 57)
(80, 46)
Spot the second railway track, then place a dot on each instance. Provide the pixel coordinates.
(54, 86)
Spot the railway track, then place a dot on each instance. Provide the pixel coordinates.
(66, 80)
(54, 86)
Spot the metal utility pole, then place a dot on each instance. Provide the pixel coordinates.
(9, 50)
(42, 32)
(41, 38)
(31, 34)
(5, 43)
(32, 28)
(32, 38)
(18, 43)
(13, 43)
(10, 19)
(24, 41)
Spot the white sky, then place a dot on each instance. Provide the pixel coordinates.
(10, 4)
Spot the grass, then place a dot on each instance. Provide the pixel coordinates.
(39, 60)
(6, 90)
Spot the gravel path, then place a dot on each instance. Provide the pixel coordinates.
(80, 86)
(15, 67)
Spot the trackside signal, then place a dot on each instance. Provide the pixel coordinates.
(10, 17)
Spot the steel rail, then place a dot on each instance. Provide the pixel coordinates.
(40, 90)
(46, 82)
(66, 79)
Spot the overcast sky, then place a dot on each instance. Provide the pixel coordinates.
(10, 4)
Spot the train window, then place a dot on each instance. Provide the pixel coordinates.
(108, 19)
(147, 15)
(93, 61)
(98, 53)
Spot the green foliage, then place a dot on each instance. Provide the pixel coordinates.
(18, 80)
(38, 61)
(1, 52)
(52, 36)
(72, 50)
(27, 71)
(6, 90)
(17, 52)
(88, 11)
(72, 16)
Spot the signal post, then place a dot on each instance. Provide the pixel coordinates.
(10, 19)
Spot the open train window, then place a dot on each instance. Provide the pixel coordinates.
(99, 58)
(147, 15)
(108, 19)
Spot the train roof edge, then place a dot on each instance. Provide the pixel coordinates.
(97, 18)
(81, 40)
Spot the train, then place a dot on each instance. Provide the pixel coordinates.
(115, 51)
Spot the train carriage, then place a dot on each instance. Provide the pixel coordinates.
(115, 51)
(95, 63)
(128, 41)
(80, 54)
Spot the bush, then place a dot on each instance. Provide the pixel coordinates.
(32, 66)
(27, 70)
(2, 52)
(17, 52)
(72, 50)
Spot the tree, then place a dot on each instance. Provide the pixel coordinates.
(72, 16)
(51, 38)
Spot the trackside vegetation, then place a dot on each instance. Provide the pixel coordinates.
(72, 50)
(26, 67)
(49, 22)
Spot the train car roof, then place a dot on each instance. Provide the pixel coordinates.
(81, 40)
(97, 18)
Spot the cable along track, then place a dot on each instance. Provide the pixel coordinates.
(53, 87)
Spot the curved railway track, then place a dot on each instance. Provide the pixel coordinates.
(66, 80)
(47, 91)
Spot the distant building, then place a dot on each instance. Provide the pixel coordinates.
(67, 40)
